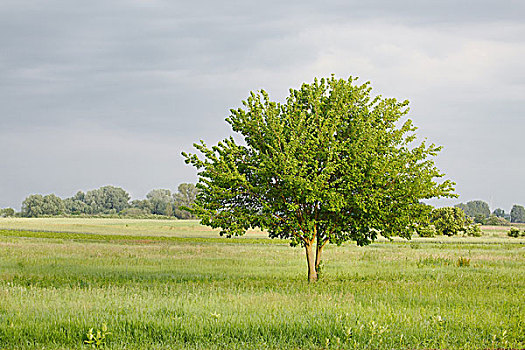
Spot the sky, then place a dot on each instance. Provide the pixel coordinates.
(109, 92)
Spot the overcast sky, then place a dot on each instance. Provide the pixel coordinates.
(110, 92)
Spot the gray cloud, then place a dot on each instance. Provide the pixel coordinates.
(118, 88)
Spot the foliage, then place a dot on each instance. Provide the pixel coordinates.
(134, 212)
(37, 205)
(142, 204)
(329, 165)
(160, 200)
(426, 230)
(478, 210)
(110, 201)
(473, 230)
(513, 232)
(76, 205)
(500, 213)
(496, 221)
(449, 221)
(7, 212)
(107, 200)
(183, 200)
(517, 213)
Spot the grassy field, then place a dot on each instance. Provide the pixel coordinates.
(173, 284)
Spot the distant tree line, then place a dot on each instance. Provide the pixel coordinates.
(110, 200)
(479, 211)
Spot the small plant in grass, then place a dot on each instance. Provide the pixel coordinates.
(513, 232)
(97, 340)
(463, 262)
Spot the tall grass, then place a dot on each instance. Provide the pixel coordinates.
(209, 294)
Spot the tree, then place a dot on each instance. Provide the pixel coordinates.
(185, 198)
(76, 205)
(7, 212)
(107, 200)
(160, 200)
(330, 164)
(32, 206)
(478, 209)
(37, 205)
(449, 221)
(517, 213)
(143, 205)
(500, 213)
(52, 205)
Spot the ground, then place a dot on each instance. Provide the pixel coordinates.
(162, 284)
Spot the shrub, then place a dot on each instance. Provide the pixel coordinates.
(449, 221)
(426, 230)
(473, 230)
(496, 221)
(513, 232)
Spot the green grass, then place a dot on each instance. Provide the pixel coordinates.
(159, 289)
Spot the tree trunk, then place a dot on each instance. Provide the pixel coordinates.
(310, 260)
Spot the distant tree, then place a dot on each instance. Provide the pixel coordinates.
(142, 204)
(7, 212)
(52, 205)
(478, 209)
(37, 205)
(500, 213)
(160, 200)
(107, 200)
(169, 209)
(184, 198)
(76, 205)
(463, 207)
(517, 213)
(449, 221)
(32, 206)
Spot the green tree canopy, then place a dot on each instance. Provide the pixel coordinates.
(185, 198)
(37, 205)
(76, 205)
(331, 164)
(500, 213)
(107, 200)
(7, 212)
(477, 209)
(517, 213)
(160, 200)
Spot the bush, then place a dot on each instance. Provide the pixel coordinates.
(7, 212)
(134, 212)
(496, 221)
(513, 232)
(449, 221)
(473, 230)
(426, 230)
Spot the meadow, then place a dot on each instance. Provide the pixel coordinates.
(166, 284)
